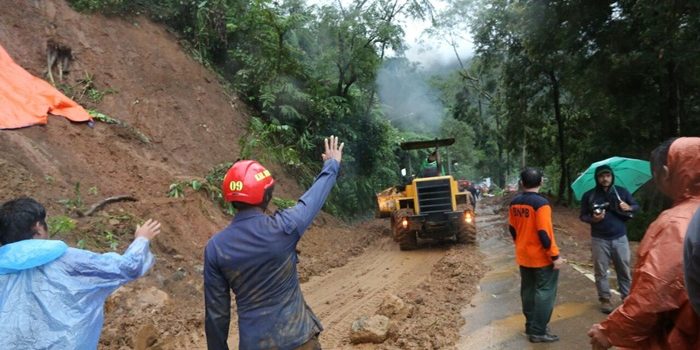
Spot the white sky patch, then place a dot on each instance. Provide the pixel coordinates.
(431, 51)
(420, 47)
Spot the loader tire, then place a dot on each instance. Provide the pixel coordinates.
(406, 237)
(467, 234)
(408, 240)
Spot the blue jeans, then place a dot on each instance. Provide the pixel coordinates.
(617, 250)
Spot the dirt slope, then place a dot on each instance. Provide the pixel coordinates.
(181, 123)
(190, 124)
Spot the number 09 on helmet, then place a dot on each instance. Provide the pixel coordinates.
(246, 182)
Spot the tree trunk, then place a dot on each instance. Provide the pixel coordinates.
(672, 120)
(564, 170)
(341, 78)
(524, 155)
(500, 179)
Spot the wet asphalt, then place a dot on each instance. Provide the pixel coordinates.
(494, 319)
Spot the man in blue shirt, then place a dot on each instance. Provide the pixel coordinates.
(255, 256)
(607, 207)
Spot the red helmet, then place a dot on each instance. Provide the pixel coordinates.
(246, 182)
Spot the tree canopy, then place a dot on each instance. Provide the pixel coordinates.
(555, 84)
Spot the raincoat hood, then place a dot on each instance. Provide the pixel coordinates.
(683, 164)
(603, 169)
(29, 253)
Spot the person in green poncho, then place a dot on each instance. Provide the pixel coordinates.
(431, 166)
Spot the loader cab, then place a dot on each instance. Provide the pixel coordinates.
(426, 158)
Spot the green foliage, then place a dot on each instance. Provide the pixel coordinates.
(463, 152)
(270, 142)
(60, 225)
(101, 117)
(211, 185)
(84, 90)
(105, 232)
(309, 73)
(176, 190)
(111, 240)
(88, 89)
(130, 130)
(283, 203)
(94, 5)
(578, 82)
(76, 203)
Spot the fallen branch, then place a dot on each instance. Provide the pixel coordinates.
(99, 205)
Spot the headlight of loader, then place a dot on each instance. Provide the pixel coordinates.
(468, 217)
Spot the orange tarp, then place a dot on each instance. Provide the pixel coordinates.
(26, 100)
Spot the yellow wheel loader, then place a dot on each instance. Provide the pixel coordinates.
(428, 208)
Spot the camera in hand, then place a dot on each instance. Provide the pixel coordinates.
(599, 208)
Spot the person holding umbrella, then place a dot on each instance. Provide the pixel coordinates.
(657, 313)
(606, 208)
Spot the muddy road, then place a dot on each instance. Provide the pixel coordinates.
(495, 320)
(453, 296)
(435, 283)
(359, 287)
(464, 297)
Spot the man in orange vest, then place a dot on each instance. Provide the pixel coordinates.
(537, 254)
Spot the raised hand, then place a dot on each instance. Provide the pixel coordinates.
(332, 151)
(149, 230)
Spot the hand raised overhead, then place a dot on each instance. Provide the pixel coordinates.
(332, 151)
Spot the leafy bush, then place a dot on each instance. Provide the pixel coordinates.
(270, 142)
(211, 186)
(283, 203)
(101, 117)
(59, 225)
(176, 190)
(76, 203)
(111, 239)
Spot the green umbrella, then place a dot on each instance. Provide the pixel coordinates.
(629, 173)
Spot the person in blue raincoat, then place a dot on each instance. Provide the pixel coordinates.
(52, 296)
(255, 256)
